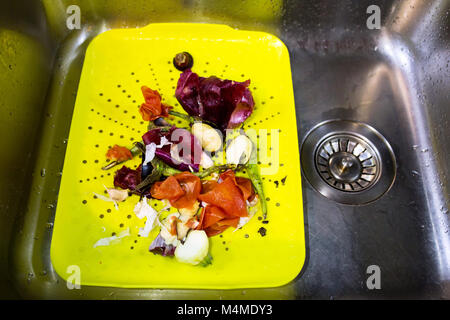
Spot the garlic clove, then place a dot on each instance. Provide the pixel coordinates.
(210, 138)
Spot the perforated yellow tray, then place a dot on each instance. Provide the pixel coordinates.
(117, 64)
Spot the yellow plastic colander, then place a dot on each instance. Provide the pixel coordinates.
(117, 64)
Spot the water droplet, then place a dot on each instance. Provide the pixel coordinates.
(30, 277)
(43, 172)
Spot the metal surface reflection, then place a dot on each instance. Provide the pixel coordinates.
(394, 79)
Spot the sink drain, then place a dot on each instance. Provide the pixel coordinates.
(348, 162)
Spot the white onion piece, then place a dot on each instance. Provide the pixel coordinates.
(194, 249)
(107, 241)
(117, 195)
(165, 233)
(149, 153)
(239, 150)
(150, 149)
(143, 209)
(102, 197)
(206, 161)
(210, 138)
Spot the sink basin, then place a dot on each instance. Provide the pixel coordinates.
(394, 79)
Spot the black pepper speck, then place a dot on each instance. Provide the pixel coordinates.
(262, 231)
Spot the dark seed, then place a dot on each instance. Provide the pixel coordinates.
(262, 231)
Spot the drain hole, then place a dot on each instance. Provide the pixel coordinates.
(343, 161)
(348, 162)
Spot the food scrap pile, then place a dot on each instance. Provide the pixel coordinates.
(177, 166)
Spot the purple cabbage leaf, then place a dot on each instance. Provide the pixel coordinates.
(226, 103)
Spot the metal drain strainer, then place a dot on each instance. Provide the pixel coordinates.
(348, 162)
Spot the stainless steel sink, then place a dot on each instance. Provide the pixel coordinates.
(395, 79)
